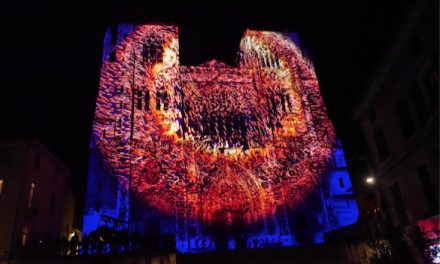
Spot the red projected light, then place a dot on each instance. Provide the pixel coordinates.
(212, 142)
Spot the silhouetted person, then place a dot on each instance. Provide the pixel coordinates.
(74, 243)
(64, 246)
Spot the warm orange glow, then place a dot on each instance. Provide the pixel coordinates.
(212, 140)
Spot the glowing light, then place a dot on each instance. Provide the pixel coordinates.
(370, 180)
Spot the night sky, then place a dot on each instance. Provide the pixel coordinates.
(51, 55)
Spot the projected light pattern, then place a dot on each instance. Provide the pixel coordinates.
(330, 206)
(223, 157)
(211, 142)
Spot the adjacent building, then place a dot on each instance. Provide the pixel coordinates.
(34, 199)
(399, 116)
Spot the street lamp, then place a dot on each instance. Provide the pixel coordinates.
(370, 180)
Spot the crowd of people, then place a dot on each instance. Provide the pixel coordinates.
(104, 240)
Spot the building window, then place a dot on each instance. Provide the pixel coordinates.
(276, 63)
(145, 51)
(152, 52)
(158, 97)
(398, 203)
(165, 101)
(269, 61)
(428, 191)
(147, 100)
(31, 195)
(371, 115)
(341, 182)
(425, 94)
(381, 143)
(404, 117)
(52, 203)
(139, 100)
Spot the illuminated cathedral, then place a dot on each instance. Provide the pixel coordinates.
(220, 156)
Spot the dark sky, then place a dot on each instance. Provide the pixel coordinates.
(51, 57)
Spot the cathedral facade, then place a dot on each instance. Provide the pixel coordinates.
(220, 156)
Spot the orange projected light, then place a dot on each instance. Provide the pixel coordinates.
(212, 142)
